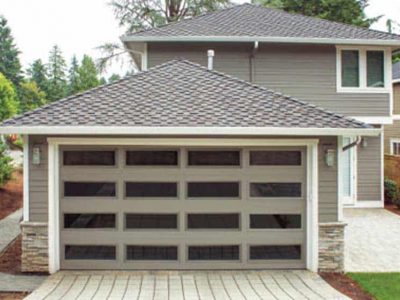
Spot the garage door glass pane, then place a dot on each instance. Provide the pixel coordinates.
(151, 221)
(89, 158)
(89, 220)
(275, 158)
(152, 158)
(213, 221)
(213, 252)
(151, 253)
(213, 189)
(275, 221)
(90, 252)
(89, 189)
(275, 252)
(283, 189)
(151, 189)
(214, 158)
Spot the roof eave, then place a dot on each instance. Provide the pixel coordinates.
(195, 131)
(301, 40)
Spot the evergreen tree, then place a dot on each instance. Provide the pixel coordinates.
(114, 77)
(31, 97)
(38, 73)
(73, 77)
(6, 167)
(10, 65)
(88, 74)
(57, 87)
(8, 99)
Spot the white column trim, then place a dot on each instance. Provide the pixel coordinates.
(25, 139)
(339, 177)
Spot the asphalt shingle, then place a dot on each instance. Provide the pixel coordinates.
(249, 20)
(181, 93)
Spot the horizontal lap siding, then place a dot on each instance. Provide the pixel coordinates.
(396, 99)
(369, 170)
(38, 181)
(391, 132)
(305, 72)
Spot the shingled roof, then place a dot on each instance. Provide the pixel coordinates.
(181, 93)
(249, 20)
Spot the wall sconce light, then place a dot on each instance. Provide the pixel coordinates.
(364, 143)
(36, 155)
(330, 157)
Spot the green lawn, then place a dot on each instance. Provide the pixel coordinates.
(383, 286)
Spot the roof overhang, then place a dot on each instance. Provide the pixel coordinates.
(127, 38)
(396, 81)
(195, 131)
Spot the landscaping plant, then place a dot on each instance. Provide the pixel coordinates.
(6, 168)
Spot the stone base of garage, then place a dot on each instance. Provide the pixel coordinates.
(331, 247)
(35, 257)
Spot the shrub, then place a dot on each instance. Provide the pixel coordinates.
(6, 167)
(391, 192)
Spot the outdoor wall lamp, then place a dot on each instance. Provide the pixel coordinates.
(330, 157)
(364, 143)
(36, 155)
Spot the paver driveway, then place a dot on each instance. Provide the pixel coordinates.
(185, 285)
(372, 240)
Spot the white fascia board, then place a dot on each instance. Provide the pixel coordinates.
(375, 120)
(197, 131)
(260, 39)
(396, 81)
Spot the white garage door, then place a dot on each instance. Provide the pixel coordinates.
(186, 208)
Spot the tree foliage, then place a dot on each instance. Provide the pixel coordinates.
(6, 168)
(37, 72)
(31, 97)
(343, 11)
(8, 99)
(57, 83)
(88, 74)
(10, 65)
(73, 76)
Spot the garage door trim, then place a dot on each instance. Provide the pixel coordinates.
(311, 169)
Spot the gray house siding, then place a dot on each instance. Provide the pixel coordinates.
(307, 72)
(369, 170)
(38, 182)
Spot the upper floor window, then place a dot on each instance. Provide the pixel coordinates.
(362, 70)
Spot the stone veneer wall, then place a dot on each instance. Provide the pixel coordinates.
(331, 247)
(35, 245)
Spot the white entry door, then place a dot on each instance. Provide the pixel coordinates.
(348, 165)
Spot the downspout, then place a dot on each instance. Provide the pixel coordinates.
(353, 144)
(251, 61)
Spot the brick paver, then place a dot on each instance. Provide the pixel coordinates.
(185, 285)
(372, 240)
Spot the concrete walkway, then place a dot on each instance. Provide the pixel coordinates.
(9, 229)
(185, 285)
(20, 283)
(372, 240)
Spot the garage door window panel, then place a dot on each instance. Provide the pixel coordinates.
(275, 158)
(151, 221)
(89, 158)
(275, 252)
(275, 221)
(213, 221)
(151, 252)
(275, 189)
(213, 190)
(229, 252)
(151, 189)
(90, 252)
(214, 158)
(89, 221)
(89, 189)
(152, 158)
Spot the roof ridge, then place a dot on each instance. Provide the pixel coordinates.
(288, 97)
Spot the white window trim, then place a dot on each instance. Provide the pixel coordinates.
(312, 182)
(347, 201)
(392, 141)
(363, 70)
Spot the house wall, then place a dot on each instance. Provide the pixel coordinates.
(38, 182)
(307, 72)
(393, 131)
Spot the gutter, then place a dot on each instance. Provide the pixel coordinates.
(253, 39)
(193, 131)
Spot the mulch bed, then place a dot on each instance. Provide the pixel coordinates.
(12, 296)
(10, 259)
(11, 195)
(392, 208)
(346, 285)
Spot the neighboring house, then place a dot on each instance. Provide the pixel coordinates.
(184, 167)
(392, 132)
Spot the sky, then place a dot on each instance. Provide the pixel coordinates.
(79, 26)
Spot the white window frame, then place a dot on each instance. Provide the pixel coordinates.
(392, 142)
(348, 200)
(363, 88)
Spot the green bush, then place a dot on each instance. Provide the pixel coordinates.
(391, 192)
(6, 168)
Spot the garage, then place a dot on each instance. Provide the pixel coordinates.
(131, 207)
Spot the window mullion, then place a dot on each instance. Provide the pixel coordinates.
(363, 68)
